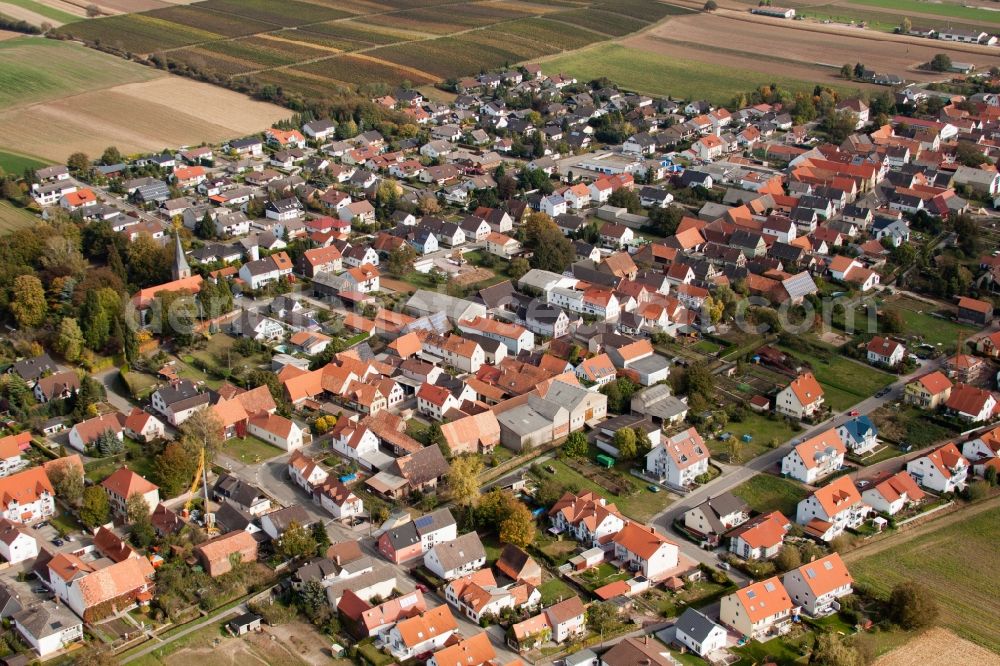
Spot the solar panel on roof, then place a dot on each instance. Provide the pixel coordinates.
(423, 521)
(769, 587)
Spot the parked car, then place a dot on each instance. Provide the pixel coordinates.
(42, 524)
(423, 588)
(58, 542)
(855, 412)
(725, 566)
(653, 488)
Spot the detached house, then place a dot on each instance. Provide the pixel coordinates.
(758, 610)
(928, 391)
(831, 509)
(217, 555)
(27, 497)
(680, 459)
(761, 537)
(859, 435)
(422, 634)
(715, 516)
(413, 538)
(943, 470)
(456, 558)
(885, 351)
(801, 399)
(972, 403)
(817, 585)
(815, 458)
(123, 484)
(893, 494)
(588, 518)
(643, 550)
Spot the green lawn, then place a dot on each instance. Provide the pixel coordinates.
(781, 651)
(949, 9)
(137, 458)
(601, 575)
(771, 493)
(554, 590)
(761, 429)
(845, 382)
(249, 449)
(140, 384)
(946, 560)
(13, 218)
(653, 74)
(641, 505)
(918, 321)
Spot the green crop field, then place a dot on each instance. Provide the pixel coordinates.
(17, 163)
(947, 560)
(37, 70)
(653, 74)
(137, 33)
(44, 10)
(949, 9)
(600, 21)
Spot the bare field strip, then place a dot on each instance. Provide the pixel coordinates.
(135, 117)
(791, 43)
(938, 647)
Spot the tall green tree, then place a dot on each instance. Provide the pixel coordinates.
(95, 509)
(69, 340)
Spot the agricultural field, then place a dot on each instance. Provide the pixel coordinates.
(16, 163)
(942, 557)
(57, 98)
(794, 50)
(13, 218)
(640, 70)
(49, 13)
(253, 43)
(946, 9)
(38, 70)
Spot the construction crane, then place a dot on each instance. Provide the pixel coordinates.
(201, 476)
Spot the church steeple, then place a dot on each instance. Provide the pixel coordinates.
(180, 269)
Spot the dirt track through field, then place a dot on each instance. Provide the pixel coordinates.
(938, 647)
(796, 48)
(928, 527)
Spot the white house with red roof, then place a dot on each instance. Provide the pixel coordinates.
(305, 471)
(597, 370)
(758, 610)
(679, 459)
(277, 430)
(831, 509)
(802, 398)
(16, 543)
(515, 337)
(643, 550)
(143, 426)
(943, 470)
(587, 517)
(893, 494)
(27, 497)
(885, 351)
(815, 458)
(815, 586)
(285, 138)
(122, 484)
(972, 403)
(85, 433)
(760, 537)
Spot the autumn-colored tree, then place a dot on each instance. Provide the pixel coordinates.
(463, 480)
(95, 509)
(203, 430)
(28, 305)
(519, 527)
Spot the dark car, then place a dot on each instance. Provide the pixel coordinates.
(42, 524)
(423, 588)
(58, 542)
